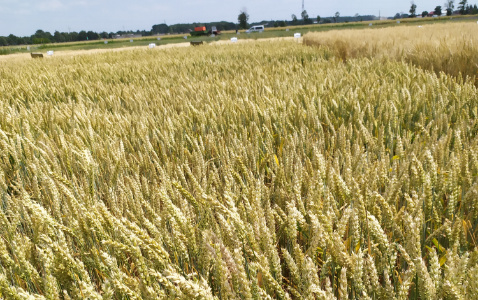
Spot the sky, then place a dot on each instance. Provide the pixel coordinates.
(24, 17)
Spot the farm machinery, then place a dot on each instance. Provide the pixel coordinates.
(201, 31)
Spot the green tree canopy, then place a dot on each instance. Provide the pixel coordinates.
(413, 10)
(92, 35)
(160, 28)
(449, 5)
(242, 19)
(462, 6)
(82, 36)
(305, 17)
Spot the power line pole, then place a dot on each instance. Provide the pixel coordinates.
(303, 8)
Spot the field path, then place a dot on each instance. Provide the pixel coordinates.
(23, 56)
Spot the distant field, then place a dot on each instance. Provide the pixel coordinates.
(451, 48)
(268, 170)
(268, 33)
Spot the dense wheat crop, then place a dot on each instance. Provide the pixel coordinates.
(255, 171)
(451, 48)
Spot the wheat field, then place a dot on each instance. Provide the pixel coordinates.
(264, 170)
(451, 48)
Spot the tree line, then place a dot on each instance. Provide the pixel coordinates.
(305, 19)
(45, 37)
(463, 8)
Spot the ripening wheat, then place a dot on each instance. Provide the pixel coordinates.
(451, 48)
(258, 171)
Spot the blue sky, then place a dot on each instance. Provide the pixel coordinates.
(24, 17)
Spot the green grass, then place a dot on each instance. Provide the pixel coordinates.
(268, 33)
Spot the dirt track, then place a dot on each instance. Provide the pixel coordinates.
(23, 56)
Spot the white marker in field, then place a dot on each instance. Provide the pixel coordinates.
(185, 37)
(398, 22)
(28, 48)
(370, 24)
(49, 53)
(152, 45)
(106, 42)
(297, 35)
(287, 29)
(130, 41)
(159, 39)
(234, 39)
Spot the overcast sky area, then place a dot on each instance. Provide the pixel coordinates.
(24, 17)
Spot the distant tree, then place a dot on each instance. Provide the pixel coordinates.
(41, 37)
(39, 33)
(73, 36)
(449, 6)
(305, 17)
(294, 19)
(104, 35)
(82, 36)
(24, 40)
(336, 17)
(59, 37)
(160, 28)
(413, 10)
(424, 13)
(438, 10)
(474, 10)
(327, 21)
(12, 39)
(469, 9)
(91, 35)
(146, 33)
(3, 41)
(318, 19)
(397, 16)
(462, 6)
(181, 28)
(304, 14)
(282, 24)
(242, 19)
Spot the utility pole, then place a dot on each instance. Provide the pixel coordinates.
(303, 8)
